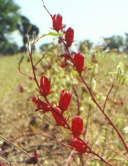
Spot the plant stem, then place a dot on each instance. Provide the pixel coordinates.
(46, 9)
(102, 159)
(105, 115)
(33, 68)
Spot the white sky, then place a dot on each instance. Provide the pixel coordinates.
(91, 19)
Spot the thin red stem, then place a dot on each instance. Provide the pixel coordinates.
(101, 158)
(33, 68)
(105, 115)
(46, 9)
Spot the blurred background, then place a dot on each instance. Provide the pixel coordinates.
(102, 23)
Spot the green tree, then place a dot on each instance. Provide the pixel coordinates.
(114, 42)
(9, 18)
(126, 43)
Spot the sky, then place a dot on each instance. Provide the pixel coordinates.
(91, 19)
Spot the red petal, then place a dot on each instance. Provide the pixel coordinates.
(58, 116)
(78, 61)
(65, 99)
(57, 22)
(77, 126)
(69, 36)
(79, 145)
(45, 86)
(41, 105)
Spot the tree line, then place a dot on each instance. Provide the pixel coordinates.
(115, 42)
(11, 20)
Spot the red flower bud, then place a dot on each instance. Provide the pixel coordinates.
(79, 145)
(41, 105)
(69, 36)
(45, 86)
(78, 61)
(77, 126)
(57, 22)
(65, 99)
(58, 116)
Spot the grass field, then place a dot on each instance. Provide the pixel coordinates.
(31, 130)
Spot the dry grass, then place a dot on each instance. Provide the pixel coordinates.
(31, 130)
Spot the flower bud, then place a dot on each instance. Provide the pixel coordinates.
(58, 116)
(57, 22)
(79, 145)
(78, 61)
(65, 99)
(45, 86)
(77, 126)
(69, 36)
(41, 105)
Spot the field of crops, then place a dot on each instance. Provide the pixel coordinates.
(22, 130)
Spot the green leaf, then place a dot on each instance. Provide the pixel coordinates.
(55, 34)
